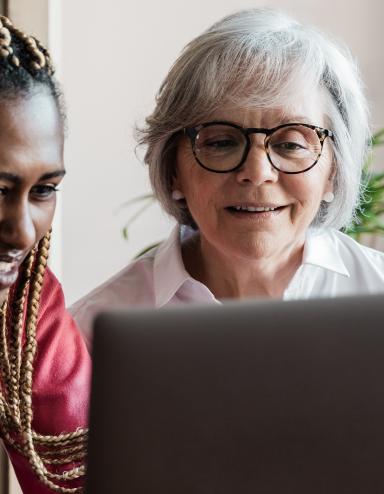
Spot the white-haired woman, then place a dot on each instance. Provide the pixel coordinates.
(256, 147)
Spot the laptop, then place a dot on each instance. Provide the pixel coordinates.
(257, 397)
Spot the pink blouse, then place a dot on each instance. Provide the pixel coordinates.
(333, 265)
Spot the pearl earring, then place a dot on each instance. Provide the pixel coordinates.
(328, 197)
(177, 195)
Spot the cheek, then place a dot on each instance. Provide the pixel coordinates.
(191, 179)
(203, 192)
(309, 187)
(42, 217)
(198, 193)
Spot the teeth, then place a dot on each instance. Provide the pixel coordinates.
(5, 267)
(253, 209)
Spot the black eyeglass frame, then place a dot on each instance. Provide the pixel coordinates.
(192, 133)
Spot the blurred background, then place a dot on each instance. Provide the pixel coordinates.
(111, 58)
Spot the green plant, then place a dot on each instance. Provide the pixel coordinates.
(145, 200)
(370, 218)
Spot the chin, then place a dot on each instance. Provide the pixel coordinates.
(7, 280)
(255, 247)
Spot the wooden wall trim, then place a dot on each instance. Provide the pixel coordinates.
(4, 472)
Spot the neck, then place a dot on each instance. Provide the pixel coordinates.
(229, 276)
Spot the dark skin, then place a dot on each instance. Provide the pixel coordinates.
(31, 168)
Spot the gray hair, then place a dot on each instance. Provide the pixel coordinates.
(261, 58)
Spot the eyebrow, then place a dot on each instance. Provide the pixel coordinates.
(296, 119)
(47, 176)
(16, 179)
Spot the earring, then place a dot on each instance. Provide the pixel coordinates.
(177, 195)
(328, 197)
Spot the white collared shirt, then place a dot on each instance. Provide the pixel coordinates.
(333, 265)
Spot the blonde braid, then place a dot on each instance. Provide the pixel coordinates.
(16, 335)
(5, 38)
(5, 414)
(31, 323)
(39, 55)
(4, 356)
(48, 61)
(41, 450)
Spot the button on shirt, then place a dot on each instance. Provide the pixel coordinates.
(333, 265)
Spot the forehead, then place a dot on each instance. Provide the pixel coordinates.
(30, 131)
(29, 116)
(311, 110)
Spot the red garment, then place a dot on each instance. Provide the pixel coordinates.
(61, 379)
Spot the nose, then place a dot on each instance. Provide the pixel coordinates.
(257, 169)
(17, 230)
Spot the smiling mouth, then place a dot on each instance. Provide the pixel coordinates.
(7, 267)
(9, 263)
(254, 209)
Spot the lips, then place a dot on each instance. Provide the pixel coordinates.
(11, 257)
(255, 208)
(9, 266)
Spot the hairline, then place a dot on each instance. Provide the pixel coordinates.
(336, 111)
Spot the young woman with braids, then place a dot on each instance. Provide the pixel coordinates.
(44, 366)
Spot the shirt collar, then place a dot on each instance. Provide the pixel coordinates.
(169, 271)
(170, 274)
(321, 250)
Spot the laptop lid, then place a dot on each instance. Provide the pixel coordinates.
(265, 397)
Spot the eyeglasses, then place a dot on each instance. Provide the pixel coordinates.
(222, 147)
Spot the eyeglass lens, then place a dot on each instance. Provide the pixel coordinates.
(293, 148)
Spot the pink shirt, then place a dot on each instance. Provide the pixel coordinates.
(333, 265)
(61, 381)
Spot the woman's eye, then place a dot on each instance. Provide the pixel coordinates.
(290, 145)
(220, 143)
(44, 191)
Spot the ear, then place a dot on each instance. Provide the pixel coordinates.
(176, 182)
(328, 195)
(329, 185)
(331, 177)
(175, 172)
(328, 191)
(332, 172)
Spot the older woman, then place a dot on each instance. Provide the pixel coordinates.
(44, 365)
(256, 147)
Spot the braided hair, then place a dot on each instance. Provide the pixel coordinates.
(25, 65)
(57, 460)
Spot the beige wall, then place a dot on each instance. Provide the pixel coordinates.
(114, 56)
(31, 18)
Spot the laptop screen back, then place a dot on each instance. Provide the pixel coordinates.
(245, 398)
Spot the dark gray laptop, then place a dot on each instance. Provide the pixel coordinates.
(248, 398)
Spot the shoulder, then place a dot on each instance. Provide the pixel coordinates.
(51, 293)
(135, 284)
(354, 248)
(56, 326)
(361, 262)
(132, 286)
(123, 288)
